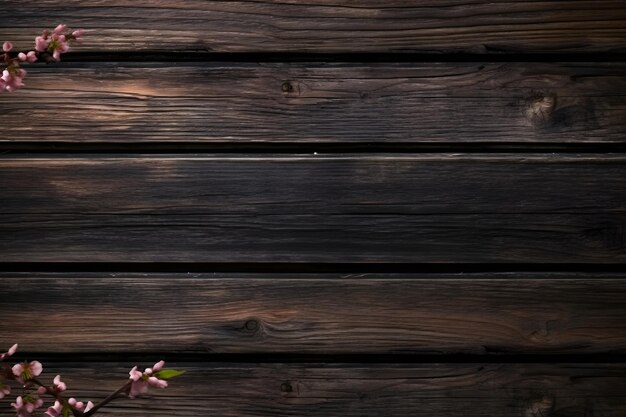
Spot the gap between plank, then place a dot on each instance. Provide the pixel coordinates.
(55, 148)
(199, 55)
(279, 357)
(306, 267)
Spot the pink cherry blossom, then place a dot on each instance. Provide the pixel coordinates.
(59, 29)
(139, 384)
(55, 410)
(30, 56)
(59, 46)
(25, 406)
(79, 405)
(41, 43)
(13, 79)
(156, 368)
(13, 348)
(59, 386)
(49, 46)
(137, 388)
(142, 380)
(78, 34)
(27, 370)
(135, 375)
(57, 42)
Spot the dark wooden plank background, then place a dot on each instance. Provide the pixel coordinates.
(322, 208)
(417, 208)
(463, 102)
(435, 26)
(477, 313)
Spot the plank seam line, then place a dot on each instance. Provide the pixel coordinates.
(307, 267)
(200, 55)
(19, 148)
(323, 358)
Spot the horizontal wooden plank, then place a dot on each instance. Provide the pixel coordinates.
(477, 314)
(321, 103)
(425, 208)
(432, 26)
(463, 390)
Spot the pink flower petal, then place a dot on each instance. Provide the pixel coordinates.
(31, 56)
(35, 366)
(89, 406)
(58, 384)
(13, 348)
(156, 382)
(135, 375)
(60, 28)
(138, 387)
(158, 366)
(55, 410)
(17, 368)
(41, 44)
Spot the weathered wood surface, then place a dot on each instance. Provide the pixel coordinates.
(478, 314)
(317, 103)
(433, 26)
(441, 208)
(463, 390)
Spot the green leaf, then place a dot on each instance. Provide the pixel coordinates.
(66, 410)
(168, 373)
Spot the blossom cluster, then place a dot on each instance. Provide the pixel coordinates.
(26, 373)
(48, 47)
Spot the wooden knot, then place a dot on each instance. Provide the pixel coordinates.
(287, 87)
(251, 326)
(539, 108)
(540, 408)
(286, 387)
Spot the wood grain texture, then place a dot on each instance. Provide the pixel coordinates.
(434, 26)
(478, 314)
(320, 103)
(440, 208)
(457, 390)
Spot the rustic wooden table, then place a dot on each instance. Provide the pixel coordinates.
(323, 208)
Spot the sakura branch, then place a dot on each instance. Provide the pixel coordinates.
(26, 373)
(48, 48)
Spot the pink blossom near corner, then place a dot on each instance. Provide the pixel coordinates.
(142, 380)
(25, 406)
(27, 370)
(48, 47)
